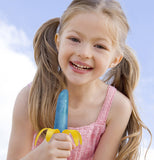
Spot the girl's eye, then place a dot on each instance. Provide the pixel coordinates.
(100, 47)
(74, 39)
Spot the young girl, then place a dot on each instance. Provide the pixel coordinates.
(73, 52)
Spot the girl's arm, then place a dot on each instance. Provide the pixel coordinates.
(22, 133)
(116, 125)
(20, 145)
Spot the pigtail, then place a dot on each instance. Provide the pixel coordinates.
(124, 77)
(49, 80)
(128, 72)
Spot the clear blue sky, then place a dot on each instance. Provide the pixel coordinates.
(29, 15)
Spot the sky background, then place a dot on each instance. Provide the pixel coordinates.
(20, 19)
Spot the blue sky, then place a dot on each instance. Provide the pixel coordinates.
(19, 20)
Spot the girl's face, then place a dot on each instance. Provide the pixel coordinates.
(85, 49)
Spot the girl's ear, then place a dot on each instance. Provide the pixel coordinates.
(57, 41)
(116, 61)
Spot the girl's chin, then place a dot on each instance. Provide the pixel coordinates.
(76, 82)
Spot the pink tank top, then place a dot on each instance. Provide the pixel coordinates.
(92, 133)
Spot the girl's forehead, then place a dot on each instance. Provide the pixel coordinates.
(91, 24)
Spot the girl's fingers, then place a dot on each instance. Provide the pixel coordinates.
(63, 153)
(62, 137)
(64, 145)
(61, 141)
(60, 150)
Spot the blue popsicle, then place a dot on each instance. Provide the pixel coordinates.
(61, 116)
(61, 121)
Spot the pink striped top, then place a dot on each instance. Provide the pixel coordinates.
(92, 133)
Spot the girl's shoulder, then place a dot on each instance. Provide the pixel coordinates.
(121, 100)
(121, 107)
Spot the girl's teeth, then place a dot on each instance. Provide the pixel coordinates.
(80, 67)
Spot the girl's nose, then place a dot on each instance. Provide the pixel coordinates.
(85, 51)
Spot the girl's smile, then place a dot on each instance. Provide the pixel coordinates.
(80, 67)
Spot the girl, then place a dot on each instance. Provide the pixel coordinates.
(73, 52)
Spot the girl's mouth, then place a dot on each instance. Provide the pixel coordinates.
(80, 66)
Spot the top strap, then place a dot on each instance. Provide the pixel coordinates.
(102, 117)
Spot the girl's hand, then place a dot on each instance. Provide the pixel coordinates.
(59, 147)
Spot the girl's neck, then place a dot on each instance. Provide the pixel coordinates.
(88, 92)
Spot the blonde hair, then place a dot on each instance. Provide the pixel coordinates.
(49, 79)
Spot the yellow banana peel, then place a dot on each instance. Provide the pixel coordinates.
(75, 135)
